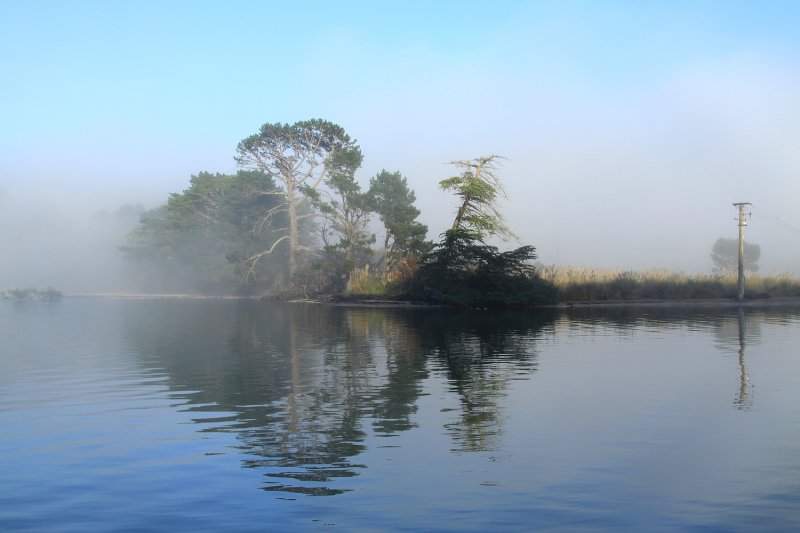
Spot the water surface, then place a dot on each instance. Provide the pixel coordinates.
(249, 416)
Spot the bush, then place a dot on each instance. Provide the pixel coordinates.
(466, 272)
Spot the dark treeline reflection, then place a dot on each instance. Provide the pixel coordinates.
(480, 353)
(303, 386)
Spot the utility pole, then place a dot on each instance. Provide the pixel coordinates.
(742, 224)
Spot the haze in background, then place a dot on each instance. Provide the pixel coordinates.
(629, 128)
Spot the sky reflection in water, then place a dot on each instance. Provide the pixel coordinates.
(163, 414)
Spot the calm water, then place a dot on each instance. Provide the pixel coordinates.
(168, 415)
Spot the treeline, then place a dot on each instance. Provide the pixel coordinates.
(294, 221)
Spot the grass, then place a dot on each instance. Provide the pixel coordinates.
(592, 284)
(363, 282)
(366, 282)
(579, 284)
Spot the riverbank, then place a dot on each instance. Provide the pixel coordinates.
(172, 296)
(789, 301)
(792, 301)
(594, 284)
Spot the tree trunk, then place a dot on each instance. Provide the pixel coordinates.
(293, 233)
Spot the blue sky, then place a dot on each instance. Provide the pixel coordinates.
(629, 127)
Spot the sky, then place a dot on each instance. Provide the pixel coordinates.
(629, 128)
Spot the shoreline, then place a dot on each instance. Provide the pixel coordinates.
(783, 301)
(134, 296)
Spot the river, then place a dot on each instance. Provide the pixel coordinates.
(237, 415)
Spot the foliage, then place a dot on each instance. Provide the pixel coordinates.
(301, 157)
(255, 231)
(400, 278)
(366, 281)
(478, 189)
(393, 201)
(202, 239)
(324, 274)
(332, 274)
(589, 284)
(346, 208)
(363, 282)
(725, 255)
(462, 270)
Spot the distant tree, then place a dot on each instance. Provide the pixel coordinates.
(300, 157)
(725, 255)
(393, 201)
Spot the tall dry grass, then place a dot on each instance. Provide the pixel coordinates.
(373, 282)
(364, 282)
(590, 284)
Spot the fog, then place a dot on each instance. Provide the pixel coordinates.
(47, 243)
(629, 130)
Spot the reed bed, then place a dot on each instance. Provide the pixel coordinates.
(374, 282)
(363, 282)
(593, 284)
(581, 284)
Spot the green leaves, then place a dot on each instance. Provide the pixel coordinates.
(479, 189)
(346, 207)
(391, 198)
(464, 271)
(301, 157)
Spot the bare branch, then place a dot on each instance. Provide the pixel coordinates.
(253, 260)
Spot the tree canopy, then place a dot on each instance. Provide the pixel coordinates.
(202, 238)
(300, 157)
(393, 201)
(462, 269)
(469, 273)
(297, 185)
(478, 189)
(346, 209)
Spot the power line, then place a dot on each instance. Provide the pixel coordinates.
(773, 220)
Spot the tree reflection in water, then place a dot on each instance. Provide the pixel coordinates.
(734, 328)
(303, 386)
(481, 353)
(306, 388)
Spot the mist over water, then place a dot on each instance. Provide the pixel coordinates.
(68, 245)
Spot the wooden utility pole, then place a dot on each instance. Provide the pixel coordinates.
(742, 224)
